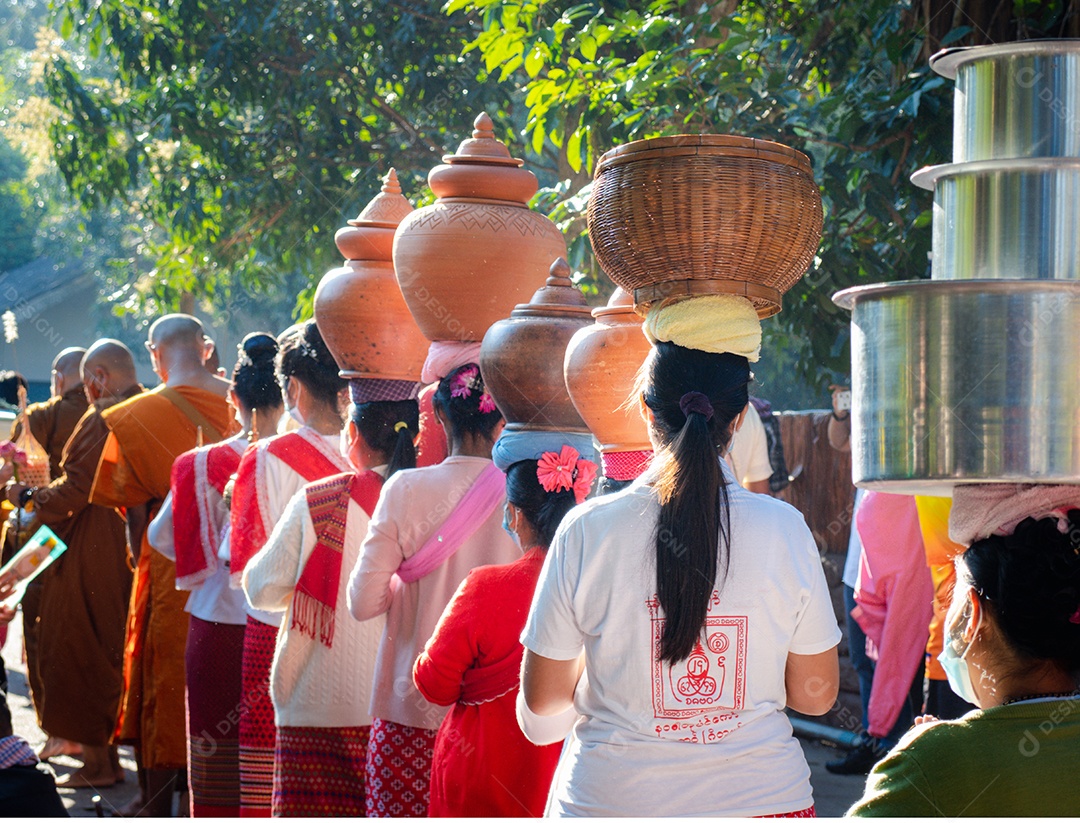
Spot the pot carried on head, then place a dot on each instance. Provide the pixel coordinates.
(359, 308)
(466, 260)
(704, 214)
(521, 357)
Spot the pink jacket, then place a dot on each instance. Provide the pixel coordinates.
(895, 597)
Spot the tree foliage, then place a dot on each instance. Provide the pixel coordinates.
(256, 128)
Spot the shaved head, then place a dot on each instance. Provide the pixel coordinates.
(65, 371)
(68, 361)
(108, 369)
(178, 331)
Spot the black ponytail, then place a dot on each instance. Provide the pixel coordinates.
(389, 427)
(694, 397)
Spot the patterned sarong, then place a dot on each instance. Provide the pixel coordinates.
(398, 769)
(320, 772)
(257, 734)
(212, 663)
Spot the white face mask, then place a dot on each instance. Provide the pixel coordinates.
(954, 651)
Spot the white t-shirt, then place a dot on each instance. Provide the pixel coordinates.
(707, 736)
(749, 455)
(854, 546)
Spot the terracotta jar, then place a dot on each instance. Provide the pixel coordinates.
(359, 308)
(521, 357)
(466, 260)
(601, 364)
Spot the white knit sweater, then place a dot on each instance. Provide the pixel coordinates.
(312, 685)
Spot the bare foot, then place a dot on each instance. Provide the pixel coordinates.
(58, 747)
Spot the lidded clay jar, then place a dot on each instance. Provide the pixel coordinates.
(463, 262)
(521, 358)
(601, 365)
(359, 308)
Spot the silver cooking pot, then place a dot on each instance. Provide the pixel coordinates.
(964, 382)
(1005, 219)
(1014, 99)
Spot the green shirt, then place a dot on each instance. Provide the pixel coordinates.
(1008, 761)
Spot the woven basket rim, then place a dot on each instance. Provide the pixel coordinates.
(767, 300)
(691, 145)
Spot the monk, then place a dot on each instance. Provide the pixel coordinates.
(85, 592)
(146, 434)
(51, 423)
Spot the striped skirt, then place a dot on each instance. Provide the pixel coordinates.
(212, 663)
(319, 772)
(257, 735)
(398, 769)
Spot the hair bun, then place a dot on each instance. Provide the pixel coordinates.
(258, 348)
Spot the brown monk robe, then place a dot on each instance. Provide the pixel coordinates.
(85, 592)
(146, 434)
(51, 422)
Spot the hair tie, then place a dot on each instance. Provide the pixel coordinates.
(694, 402)
(565, 471)
(401, 424)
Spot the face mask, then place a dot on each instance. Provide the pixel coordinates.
(952, 661)
(506, 526)
(294, 413)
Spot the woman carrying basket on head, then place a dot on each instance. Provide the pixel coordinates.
(699, 610)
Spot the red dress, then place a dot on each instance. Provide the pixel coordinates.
(483, 765)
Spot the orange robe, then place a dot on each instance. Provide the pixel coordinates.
(146, 434)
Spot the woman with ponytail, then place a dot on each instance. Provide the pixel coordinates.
(431, 527)
(483, 765)
(700, 612)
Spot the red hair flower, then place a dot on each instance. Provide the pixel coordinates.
(487, 404)
(565, 471)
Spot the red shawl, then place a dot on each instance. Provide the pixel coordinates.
(251, 524)
(198, 482)
(315, 598)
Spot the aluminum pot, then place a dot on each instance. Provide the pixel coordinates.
(1006, 219)
(1014, 99)
(964, 382)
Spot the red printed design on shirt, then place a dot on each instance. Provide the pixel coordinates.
(712, 678)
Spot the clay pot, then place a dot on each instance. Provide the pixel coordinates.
(466, 260)
(359, 308)
(521, 357)
(601, 364)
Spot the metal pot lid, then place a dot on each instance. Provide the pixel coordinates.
(926, 177)
(848, 298)
(948, 61)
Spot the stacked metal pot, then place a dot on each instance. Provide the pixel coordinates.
(974, 376)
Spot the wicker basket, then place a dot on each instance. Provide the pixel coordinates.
(705, 214)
